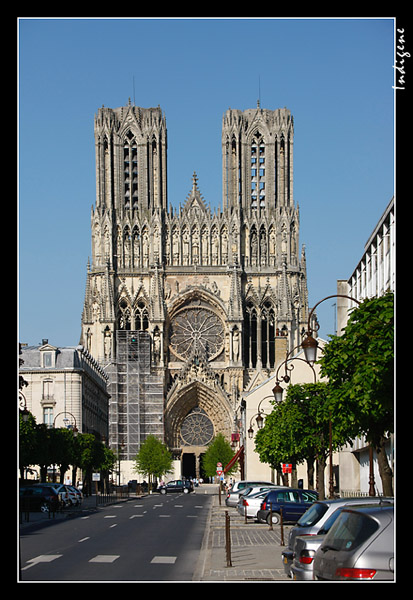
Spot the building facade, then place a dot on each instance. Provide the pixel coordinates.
(373, 276)
(188, 308)
(66, 387)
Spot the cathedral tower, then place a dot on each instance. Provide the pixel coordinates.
(187, 307)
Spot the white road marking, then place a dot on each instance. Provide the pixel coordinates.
(165, 560)
(83, 539)
(104, 558)
(46, 558)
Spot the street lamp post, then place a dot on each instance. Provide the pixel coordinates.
(310, 346)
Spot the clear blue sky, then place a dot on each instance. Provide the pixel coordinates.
(335, 75)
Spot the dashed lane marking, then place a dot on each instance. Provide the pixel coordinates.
(43, 558)
(164, 560)
(104, 558)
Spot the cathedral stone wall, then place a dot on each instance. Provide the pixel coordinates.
(221, 294)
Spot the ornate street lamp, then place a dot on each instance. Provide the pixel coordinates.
(310, 345)
(74, 429)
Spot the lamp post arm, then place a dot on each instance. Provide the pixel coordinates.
(327, 298)
(286, 377)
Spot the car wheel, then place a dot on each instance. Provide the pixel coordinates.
(275, 519)
(186, 491)
(45, 507)
(163, 491)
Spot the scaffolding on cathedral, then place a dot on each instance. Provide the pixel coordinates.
(136, 395)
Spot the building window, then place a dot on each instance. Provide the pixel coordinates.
(257, 175)
(48, 416)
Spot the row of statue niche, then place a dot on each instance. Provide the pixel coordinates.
(258, 246)
(199, 248)
(133, 250)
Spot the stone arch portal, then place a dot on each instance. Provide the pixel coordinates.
(194, 414)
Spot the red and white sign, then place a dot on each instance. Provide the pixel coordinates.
(287, 468)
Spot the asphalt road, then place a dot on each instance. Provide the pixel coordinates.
(156, 538)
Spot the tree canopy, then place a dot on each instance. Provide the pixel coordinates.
(359, 365)
(153, 458)
(219, 450)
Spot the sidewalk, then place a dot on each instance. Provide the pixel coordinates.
(255, 550)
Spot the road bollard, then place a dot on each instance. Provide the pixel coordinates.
(271, 528)
(228, 539)
(282, 528)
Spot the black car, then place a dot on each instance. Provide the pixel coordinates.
(293, 502)
(178, 485)
(38, 497)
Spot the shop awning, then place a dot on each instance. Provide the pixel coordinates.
(234, 459)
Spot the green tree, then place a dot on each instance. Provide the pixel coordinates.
(27, 443)
(153, 459)
(360, 367)
(219, 450)
(297, 430)
(91, 457)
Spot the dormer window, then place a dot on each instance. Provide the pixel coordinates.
(48, 356)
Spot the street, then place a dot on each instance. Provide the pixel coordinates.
(155, 538)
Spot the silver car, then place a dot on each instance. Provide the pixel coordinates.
(358, 547)
(314, 519)
(233, 494)
(251, 503)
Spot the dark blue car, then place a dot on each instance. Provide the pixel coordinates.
(293, 502)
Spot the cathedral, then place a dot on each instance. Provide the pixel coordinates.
(187, 308)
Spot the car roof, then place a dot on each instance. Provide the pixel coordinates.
(357, 500)
(375, 509)
(292, 490)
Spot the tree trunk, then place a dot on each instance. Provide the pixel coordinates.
(320, 468)
(310, 473)
(385, 470)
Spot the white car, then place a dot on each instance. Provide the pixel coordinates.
(235, 491)
(251, 503)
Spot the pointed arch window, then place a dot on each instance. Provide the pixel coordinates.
(268, 335)
(130, 171)
(257, 172)
(124, 315)
(141, 316)
(250, 336)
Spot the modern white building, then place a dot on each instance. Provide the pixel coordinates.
(373, 276)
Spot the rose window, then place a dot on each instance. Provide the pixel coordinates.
(196, 328)
(197, 429)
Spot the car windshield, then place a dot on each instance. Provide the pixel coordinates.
(349, 531)
(312, 515)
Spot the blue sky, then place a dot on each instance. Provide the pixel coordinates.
(335, 75)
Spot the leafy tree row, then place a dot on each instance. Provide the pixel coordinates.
(358, 398)
(44, 446)
(154, 459)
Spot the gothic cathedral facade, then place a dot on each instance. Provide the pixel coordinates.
(188, 308)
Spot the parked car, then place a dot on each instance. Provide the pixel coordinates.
(293, 502)
(39, 497)
(315, 519)
(178, 485)
(76, 495)
(251, 503)
(66, 495)
(359, 546)
(234, 492)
